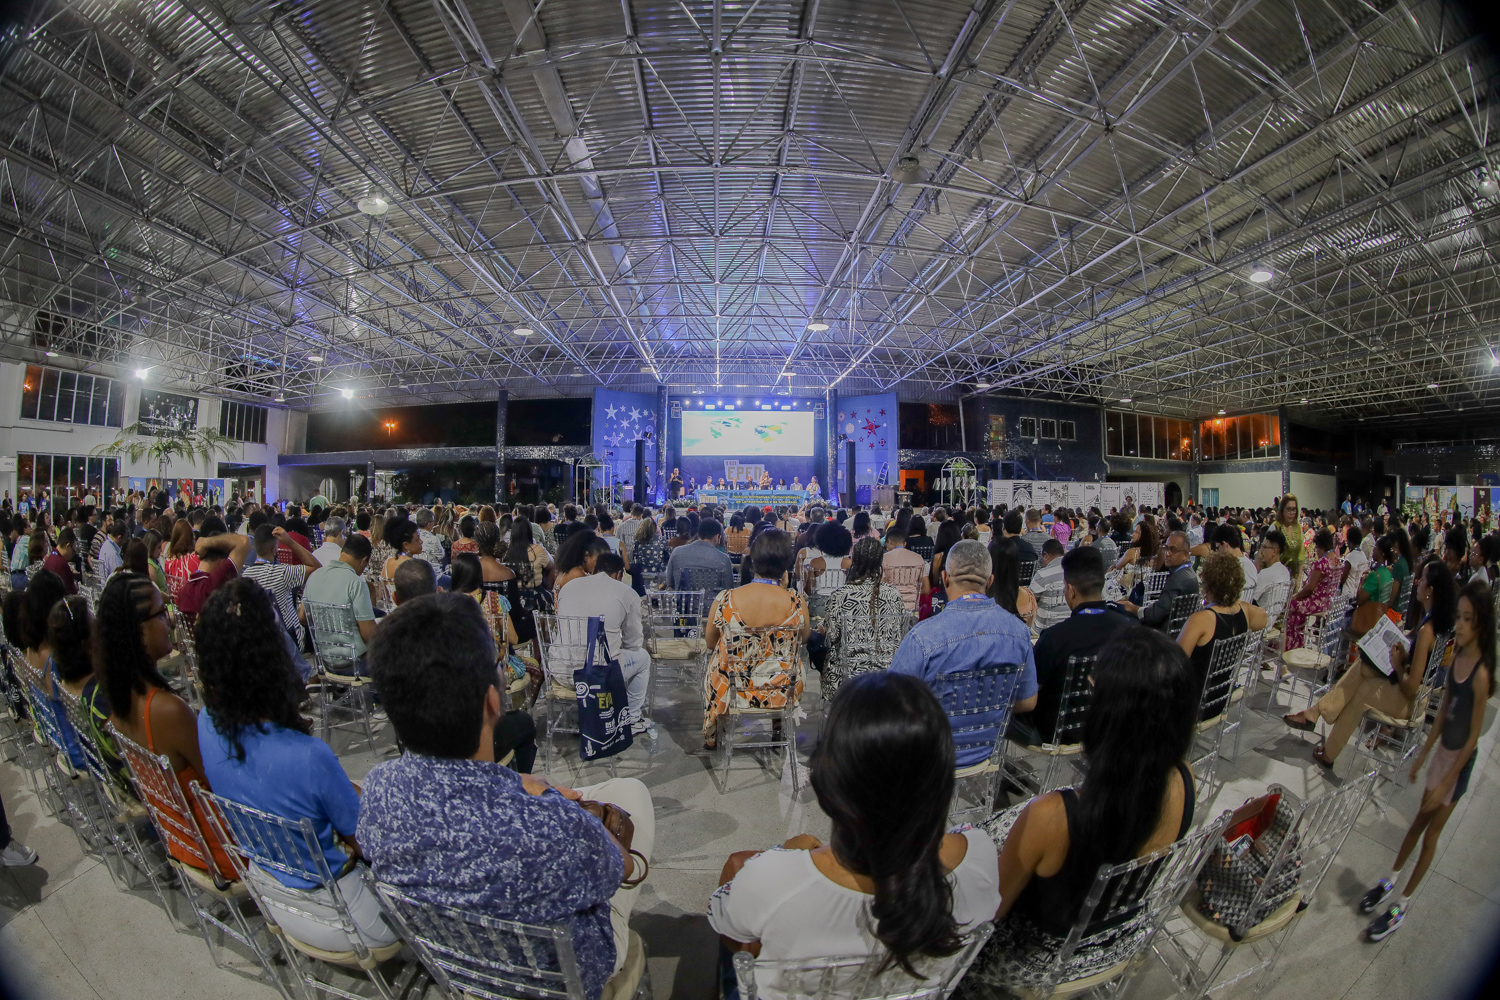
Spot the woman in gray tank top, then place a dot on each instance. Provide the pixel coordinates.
(1471, 680)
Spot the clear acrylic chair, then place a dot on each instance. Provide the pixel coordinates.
(1124, 911)
(744, 650)
(672, 621)
(70, 795)
(1225, 659)
(217, 899)
(1066, 743)
(1390, 741)
(1027, 569)
(1323, 650)
(1274, 604)
(1245, 683)
(341, 690)
(857, 977)
(122, 818)
(563, 641)
(1184, 606)
(1154, 583)
(704, 580)
(908, 579)
(472, 955)
(278, 845)
(978, 702)
(1196, 950)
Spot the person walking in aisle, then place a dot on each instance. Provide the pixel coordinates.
(1471, 681)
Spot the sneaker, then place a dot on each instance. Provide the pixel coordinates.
(1385, 925)
(1372, 900)
(17, 855)
(642, 725)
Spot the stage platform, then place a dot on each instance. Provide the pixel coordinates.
(744, 498)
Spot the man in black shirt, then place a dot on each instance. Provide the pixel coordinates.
(1093, 623)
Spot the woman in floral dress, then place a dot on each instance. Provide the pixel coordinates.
(1323, 576)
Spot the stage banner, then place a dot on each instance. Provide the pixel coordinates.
(736, 471)
(1111, 496)
(216, 492)
(870, 422)
(620, 418)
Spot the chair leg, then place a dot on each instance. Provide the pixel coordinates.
(789, 731)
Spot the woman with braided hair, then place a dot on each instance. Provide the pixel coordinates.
(863, 620)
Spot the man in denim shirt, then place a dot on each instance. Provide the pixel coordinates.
(971, 631)
(449, 825)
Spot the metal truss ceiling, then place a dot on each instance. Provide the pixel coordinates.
(674, 191)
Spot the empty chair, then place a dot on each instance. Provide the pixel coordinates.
(344, 687)
(857, 977)
(979, 702)
(1067, 735)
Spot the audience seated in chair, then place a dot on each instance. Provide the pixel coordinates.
(257, 750)
(1005, 567)
(133, 635)
(1047, 586)
(605, 594)
(1092, 626)
(971, 631)
(342, 582)
(1180, 580)
(220, 556)
(1223, 581)
(1271, 572)
(413, 578)
(862, 619)
(27, 627)
(763, 602)
(701, 553)
(890, 881)
(1137, 798)
(448, 825)
(1363, 687)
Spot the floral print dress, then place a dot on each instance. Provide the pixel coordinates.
(769, 665)
(1315, 603)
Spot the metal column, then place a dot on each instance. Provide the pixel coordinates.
(501, 405)
(1285, 425)
(663, 415)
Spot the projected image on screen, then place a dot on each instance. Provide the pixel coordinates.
(753, 432)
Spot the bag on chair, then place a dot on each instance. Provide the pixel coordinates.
(600, 687)
(1229, 880)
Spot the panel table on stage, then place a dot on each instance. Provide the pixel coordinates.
(732, 499)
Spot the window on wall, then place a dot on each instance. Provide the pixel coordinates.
(1255, 435)
(1049, 429)
(71, 398)
(1145, 435)
(242, 422)
(166, 410)
(1067, 430)
(1028, 427)
(64, 475)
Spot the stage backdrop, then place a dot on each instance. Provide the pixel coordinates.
(751, 438)
(619, 419)
(870, 422)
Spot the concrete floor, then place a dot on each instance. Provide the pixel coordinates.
(66, 931)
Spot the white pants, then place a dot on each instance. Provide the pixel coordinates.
(635, 664)
(306, 916)
(632, 796)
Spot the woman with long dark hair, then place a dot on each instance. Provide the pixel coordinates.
(259, 751)
(131, 634)
(1136, 798)
(949, 534)
(890, 881)
(1005, 588)
(862, 619)
(1452, 743)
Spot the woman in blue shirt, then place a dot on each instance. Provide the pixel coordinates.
(257, 750)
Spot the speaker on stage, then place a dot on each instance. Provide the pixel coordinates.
(641, 492)
(849, 474)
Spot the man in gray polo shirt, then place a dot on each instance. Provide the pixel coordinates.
(343, 582)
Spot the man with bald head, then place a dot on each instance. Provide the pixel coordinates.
(971, 631)
(1177, 557)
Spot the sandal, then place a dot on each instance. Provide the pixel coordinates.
(1301, 724)
(1318, 758)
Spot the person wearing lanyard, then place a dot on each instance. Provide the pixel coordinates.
(1180, 580)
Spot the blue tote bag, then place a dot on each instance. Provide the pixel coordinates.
(600, 687)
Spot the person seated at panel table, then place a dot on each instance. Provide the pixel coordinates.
(721, 482)
(797, 484)
(781, 484)
(765, 480)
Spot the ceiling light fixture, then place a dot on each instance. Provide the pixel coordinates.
(1432, 385)
(981, 386)
(347, 393)
(140, 373)
(281, 398)
(373, 205)
(817, 326)
(908, 170)
(315, 357)
(1126, 399)
(523, 331)
(1304, 401)
(51, 354)
(1222, 412)
(1261, 273)
(1488, 186)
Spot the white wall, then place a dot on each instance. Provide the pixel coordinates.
(1245, 489)
(1315, 491)
(46, 437)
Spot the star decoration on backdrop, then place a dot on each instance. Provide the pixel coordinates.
(609, 412)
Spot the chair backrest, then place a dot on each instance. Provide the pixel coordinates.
(272, 843)
(1331, 635)
(1027, 571)
(564, 642)
(832, 578)
(858, 977)
(1225, 658)
(334, 632)
(473, 955)
(1076, 697)
(1307, 852)
(1430, 670)
(157, 788)
(1137, 896)
(83, 730)
(1183, 607)
(383, 599)
(1155, 583)
(978, 702)
(1273, 603)
(1108, 549)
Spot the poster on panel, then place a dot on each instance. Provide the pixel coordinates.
(1150, 495)
(1021, 494)
(1111, 496)
(999, 491)
(1075, 495)
(1090, 496)
(1057, 494)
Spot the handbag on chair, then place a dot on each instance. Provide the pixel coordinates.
(600, 687)
(1233, 875)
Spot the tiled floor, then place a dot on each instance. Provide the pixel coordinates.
(69, 933)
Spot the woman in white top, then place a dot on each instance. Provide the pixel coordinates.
(890, 881)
